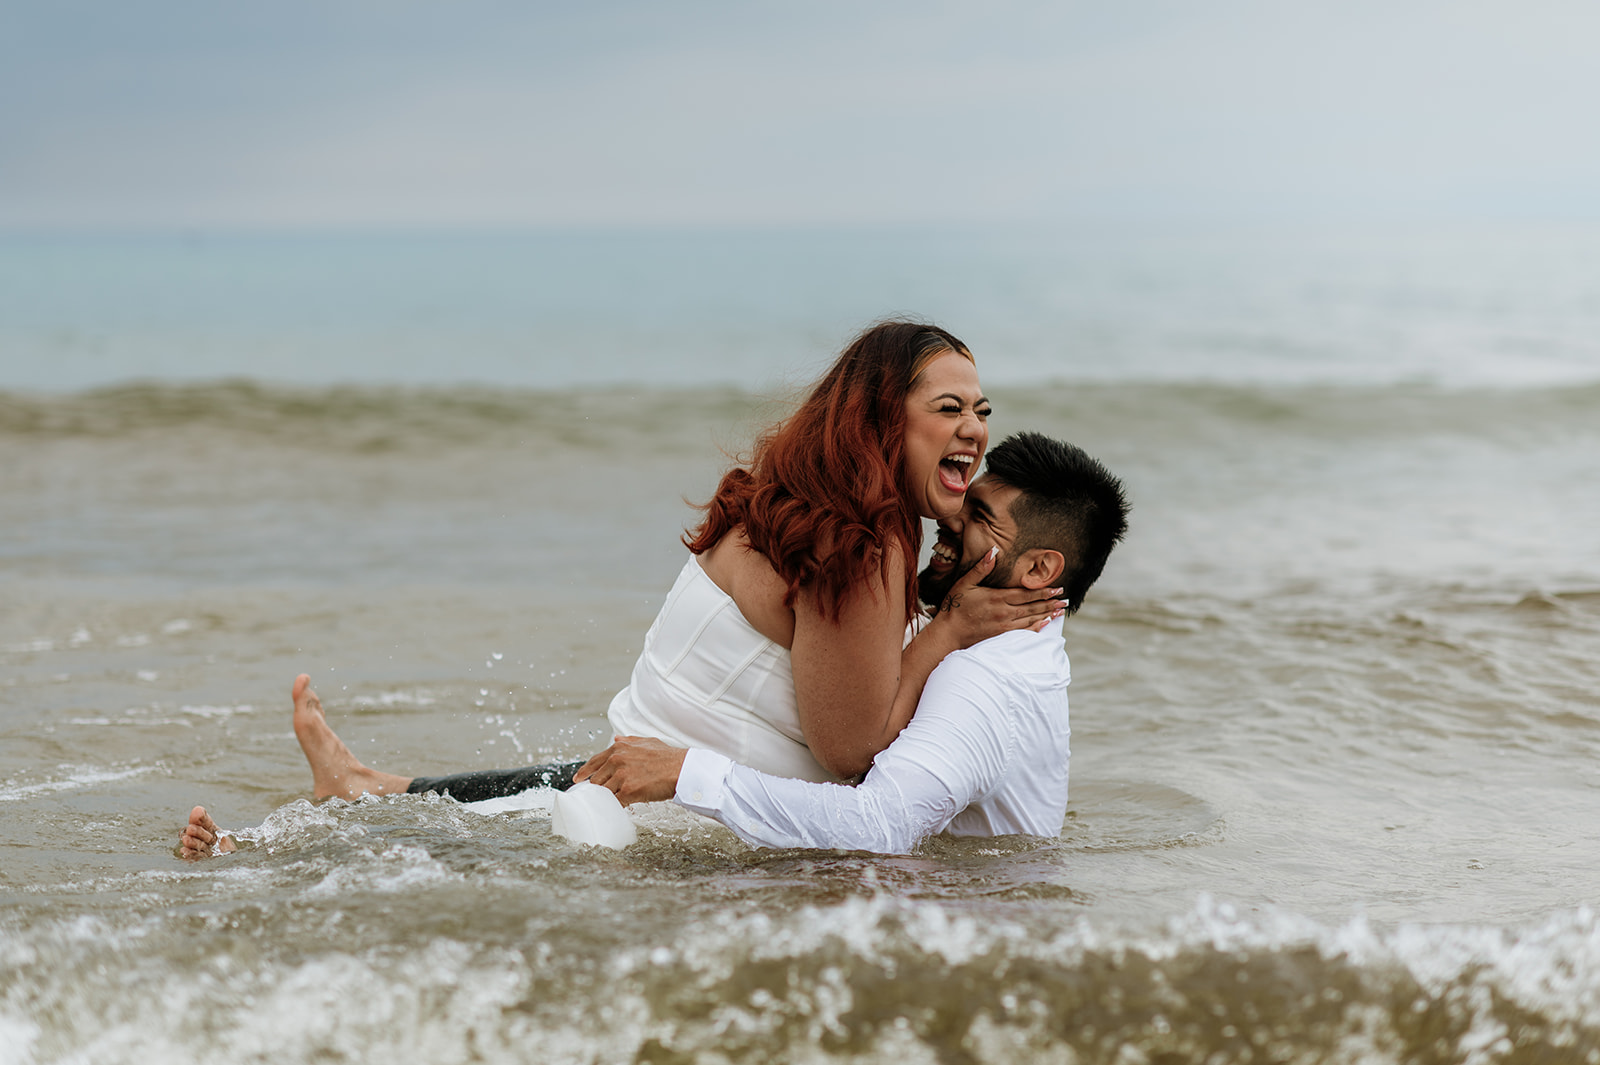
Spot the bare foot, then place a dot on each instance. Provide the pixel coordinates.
(200, 835)
(335, 772)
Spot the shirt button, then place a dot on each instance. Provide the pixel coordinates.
(698, 796)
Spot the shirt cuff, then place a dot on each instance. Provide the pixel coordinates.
(701, 780)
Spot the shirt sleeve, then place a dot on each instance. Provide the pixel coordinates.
(953, 753)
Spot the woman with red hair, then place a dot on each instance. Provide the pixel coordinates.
(813, 545)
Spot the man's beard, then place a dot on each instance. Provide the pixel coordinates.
(932, 589)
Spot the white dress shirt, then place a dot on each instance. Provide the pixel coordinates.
(985, 755)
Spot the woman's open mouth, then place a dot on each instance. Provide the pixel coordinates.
(955, 471)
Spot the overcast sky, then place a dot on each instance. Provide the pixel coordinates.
(488, 112)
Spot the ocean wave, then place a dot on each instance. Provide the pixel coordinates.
(389, 418)
(874, 979)
(374, 418)
(883, 977)
(1236, 417)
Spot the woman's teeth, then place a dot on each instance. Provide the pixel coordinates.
(953, 470)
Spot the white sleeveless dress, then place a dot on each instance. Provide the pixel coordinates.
(707, 679)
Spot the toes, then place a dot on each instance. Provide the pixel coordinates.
(201, 822)
(304, 697)
(200, 826)
(201, 837)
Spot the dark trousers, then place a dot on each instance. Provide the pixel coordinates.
(497, 783)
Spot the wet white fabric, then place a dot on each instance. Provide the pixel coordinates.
(986, 754)
(588, 813)
(706, 678)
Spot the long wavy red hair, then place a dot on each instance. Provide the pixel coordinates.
(824, 494)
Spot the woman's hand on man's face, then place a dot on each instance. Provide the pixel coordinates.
(974, 613)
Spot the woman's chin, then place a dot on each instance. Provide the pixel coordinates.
(943, 503)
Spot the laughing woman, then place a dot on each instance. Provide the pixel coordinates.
(808, 559)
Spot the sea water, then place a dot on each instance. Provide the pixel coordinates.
(1336, 773)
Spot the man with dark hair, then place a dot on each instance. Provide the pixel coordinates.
(986, 753)
(1067, 501)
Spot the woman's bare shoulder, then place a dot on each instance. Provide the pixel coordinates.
(746, 576)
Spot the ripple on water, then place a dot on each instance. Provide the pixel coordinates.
(1124, 815)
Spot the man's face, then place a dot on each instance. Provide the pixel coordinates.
(984, 521)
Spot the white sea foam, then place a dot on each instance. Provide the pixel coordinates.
(155, 717)
(397, 869)
(77, 777)
(216, 711)
(416, 697)
(34, 646)
(533, 800)
(17, 1038)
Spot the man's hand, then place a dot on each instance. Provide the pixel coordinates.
(638, 769)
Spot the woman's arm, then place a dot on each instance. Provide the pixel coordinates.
(856, 686)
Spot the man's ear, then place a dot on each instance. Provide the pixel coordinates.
(1039, 567)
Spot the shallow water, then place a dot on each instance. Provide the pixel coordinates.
(1336, 738)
